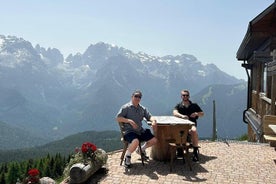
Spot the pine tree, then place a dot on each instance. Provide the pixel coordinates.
(41, 167)
(58, 165)
(13, 173)
(2, 179)
(51, 166)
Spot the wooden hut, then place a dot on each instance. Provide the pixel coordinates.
(258, 54)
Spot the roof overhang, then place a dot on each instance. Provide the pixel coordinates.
(260, 30)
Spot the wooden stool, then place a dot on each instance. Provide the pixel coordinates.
(180, 142)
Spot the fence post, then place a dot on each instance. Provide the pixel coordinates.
(214, 137)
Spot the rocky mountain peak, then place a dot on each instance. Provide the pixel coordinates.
(85, 91)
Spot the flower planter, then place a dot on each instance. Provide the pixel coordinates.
(81, 171)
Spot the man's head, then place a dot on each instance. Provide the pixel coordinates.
(185, 94)
(136, 97)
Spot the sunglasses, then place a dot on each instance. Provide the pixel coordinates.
(185, 95)
(137, 96)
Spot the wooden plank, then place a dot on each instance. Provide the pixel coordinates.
(268, 120)
(272, 127)
(270, 137)
(273, 94)
(269, 134)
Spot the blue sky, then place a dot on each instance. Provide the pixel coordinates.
(211, 30)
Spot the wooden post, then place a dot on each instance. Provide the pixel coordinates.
(214, 122)
(273, 94)
(273, 86)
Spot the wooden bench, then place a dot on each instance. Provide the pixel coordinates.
(268, 134)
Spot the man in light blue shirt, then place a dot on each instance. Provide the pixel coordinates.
(132, 115)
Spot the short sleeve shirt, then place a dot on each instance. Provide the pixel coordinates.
(193, 107)
(137, 114)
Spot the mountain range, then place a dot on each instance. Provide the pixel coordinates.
(45, 96)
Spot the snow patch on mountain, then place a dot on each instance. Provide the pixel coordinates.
(201, 73)
(85, 90)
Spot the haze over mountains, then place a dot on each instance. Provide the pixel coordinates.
(45, 97)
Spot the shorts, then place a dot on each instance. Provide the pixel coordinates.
(145, 136)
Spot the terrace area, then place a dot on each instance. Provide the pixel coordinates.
(220, 162)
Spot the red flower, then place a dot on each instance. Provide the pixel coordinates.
(87, 146)
(33, 172)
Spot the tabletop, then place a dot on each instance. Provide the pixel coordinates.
(273, 128)
(170, 120)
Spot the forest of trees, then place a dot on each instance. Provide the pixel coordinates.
(51, 159)
(50, 166)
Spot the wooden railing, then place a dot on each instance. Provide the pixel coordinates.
(261, 104)
(260, 107)
(254, 102)
(265, 105)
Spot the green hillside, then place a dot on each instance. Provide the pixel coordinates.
(107, 140)
(12, 137)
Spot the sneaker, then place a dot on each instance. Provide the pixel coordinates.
(195, 155)
(127, 161)
(144, 154)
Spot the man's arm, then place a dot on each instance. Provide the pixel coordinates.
(153, 123)
(179, 115)
(125, 120)
(122, 119)
(197, 114)
(200, 114)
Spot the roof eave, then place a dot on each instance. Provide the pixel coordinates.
(243, 52)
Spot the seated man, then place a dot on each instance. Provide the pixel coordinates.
(132, 115)
(188, 110)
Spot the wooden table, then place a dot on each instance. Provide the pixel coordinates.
(273, 128)
(167, 128)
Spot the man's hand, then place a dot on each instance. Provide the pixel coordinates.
(184, 116)
(132, 123)
(154, 125)
(194, 115)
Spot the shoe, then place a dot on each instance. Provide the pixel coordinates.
(195, 155)
(127, 161)
(195, 158)
(144, 154)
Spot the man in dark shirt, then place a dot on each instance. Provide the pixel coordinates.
(186, 109)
